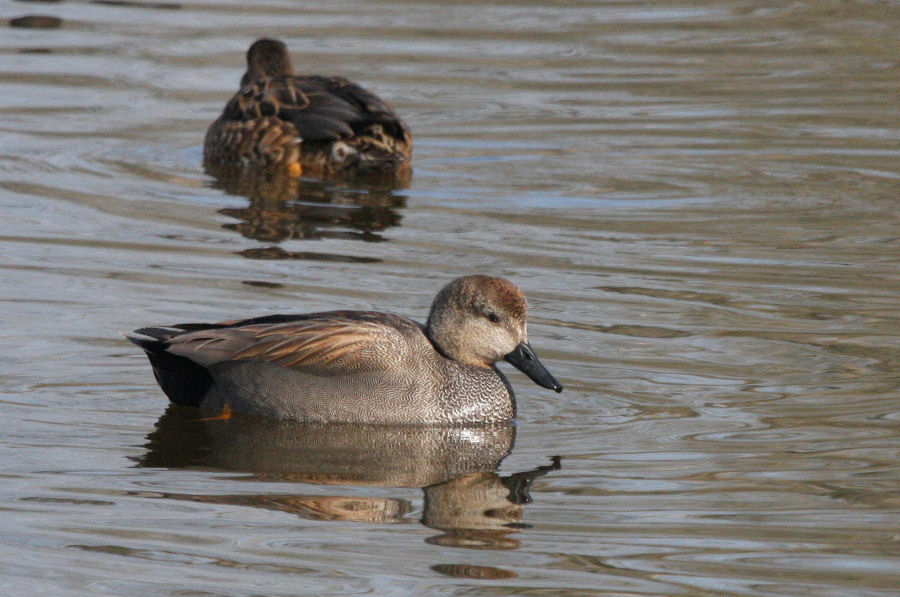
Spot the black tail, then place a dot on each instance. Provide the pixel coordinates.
(184, 381)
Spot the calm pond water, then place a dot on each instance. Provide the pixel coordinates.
(699, 198)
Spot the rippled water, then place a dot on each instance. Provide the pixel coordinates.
(699, 198)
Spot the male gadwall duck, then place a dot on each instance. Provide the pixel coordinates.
(357, 366)
(325, 127)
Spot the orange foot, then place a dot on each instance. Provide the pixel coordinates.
(294, 169)
(222, 416)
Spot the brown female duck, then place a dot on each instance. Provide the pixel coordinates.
(357, 366)
(326, 127)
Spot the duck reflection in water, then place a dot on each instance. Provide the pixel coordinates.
(282, 208)
(464, 498)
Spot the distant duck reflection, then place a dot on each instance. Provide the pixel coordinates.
(464, 498)
(284, 208)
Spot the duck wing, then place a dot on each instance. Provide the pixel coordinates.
(332, 343)
(321, 108)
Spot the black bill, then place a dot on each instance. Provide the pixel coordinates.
(523, 359)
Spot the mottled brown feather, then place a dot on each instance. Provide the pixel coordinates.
(314, 113)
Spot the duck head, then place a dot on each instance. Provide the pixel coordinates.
(267, 58)
(479, 320)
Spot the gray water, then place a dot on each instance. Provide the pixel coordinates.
(699, 198)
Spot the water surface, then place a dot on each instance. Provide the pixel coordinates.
(699, 198)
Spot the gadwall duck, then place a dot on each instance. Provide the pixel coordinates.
(327, 127)
(357, 366)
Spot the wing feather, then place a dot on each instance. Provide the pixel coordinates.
(321, 108)
(323, 343)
